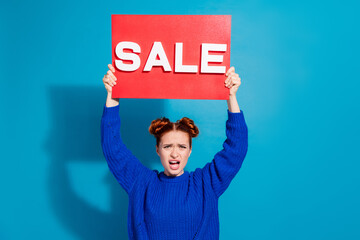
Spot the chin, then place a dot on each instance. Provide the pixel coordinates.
(174, 173)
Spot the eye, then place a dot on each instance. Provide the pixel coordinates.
(167, 146)
(183, 146)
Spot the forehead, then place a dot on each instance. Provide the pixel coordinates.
(175, 137)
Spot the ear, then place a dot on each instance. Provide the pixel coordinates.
(190, 151)
(157, 151)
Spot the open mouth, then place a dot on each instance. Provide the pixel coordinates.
(174, 164)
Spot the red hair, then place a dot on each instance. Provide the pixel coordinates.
(160, 126)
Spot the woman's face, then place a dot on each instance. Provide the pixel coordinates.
(174, 151)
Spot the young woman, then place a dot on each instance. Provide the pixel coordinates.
(174, 204)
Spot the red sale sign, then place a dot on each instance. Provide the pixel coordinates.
(171, 56)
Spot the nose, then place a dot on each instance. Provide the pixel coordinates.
(174, 153)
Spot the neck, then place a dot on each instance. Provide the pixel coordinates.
(169, 175)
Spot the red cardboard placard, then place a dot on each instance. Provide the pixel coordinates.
(171, 56)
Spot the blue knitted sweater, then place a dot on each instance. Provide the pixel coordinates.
(183, 207)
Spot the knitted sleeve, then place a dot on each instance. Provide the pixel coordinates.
(122, 163)
(226, 163)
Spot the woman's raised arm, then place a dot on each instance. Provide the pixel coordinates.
(227, 162)
(122, 163)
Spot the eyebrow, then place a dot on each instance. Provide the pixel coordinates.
(170, 144)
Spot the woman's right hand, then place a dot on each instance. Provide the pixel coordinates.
(109, 79)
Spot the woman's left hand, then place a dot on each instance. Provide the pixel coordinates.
(232, 81)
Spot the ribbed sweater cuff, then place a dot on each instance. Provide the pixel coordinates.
(111, 112)
(236, 118)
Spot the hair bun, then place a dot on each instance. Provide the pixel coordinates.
(190, 125)
(157, 125)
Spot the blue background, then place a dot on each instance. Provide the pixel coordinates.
(298, 61)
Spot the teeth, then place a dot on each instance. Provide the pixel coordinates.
(173, 161)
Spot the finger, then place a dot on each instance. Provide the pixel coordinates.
(105, 78)
(235, 76)
(232, 69)
(232, 79)
(237, 83)
(112, 79)
(227, 80)
(111, 74)
(108, 80)
(111, 67)
(108, 87)
(112, 82)
(231, 74)
(229, 83)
